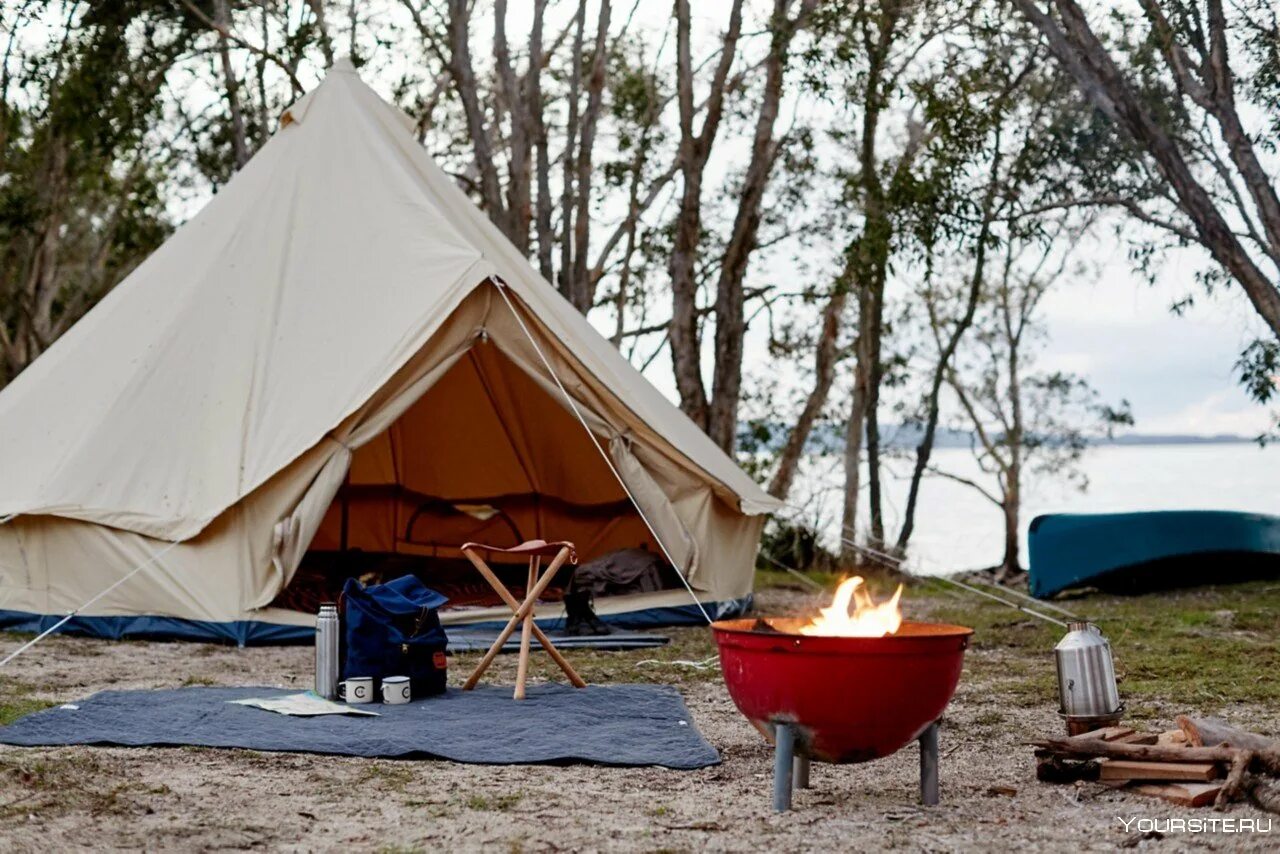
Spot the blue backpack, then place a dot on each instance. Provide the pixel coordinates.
(393, 629)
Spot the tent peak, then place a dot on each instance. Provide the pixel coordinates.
(343, 65)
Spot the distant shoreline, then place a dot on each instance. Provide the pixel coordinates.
(900, 436)
(1178, 439)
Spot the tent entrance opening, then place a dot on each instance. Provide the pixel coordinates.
(485, 455)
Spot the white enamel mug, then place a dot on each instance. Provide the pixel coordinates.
(395, 690)
(356, 690)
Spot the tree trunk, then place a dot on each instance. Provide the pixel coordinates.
(326, 43)
(542, 158)
(871, 255)
(239, 143)
(692, 154)
(568, 158)
(1011, 564)
(519, 205)
(826, 357)
(582, 290)
(867, 376)
(853, 454)
(932, 408)
(726, 389)
(464, 78)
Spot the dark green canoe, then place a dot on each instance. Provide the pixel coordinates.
(1135, 552)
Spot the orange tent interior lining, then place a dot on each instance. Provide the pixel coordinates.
(486, 455)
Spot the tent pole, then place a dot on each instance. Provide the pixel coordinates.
(502, 289)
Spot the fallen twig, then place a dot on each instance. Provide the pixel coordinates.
(1235, 779)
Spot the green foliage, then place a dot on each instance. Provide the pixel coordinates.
(792, 545)
(1258, 367)
(81, 200)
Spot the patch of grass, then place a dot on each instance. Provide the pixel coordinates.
(1204, 648)
(16, 700)
(990, 718)
(386, 774)
(193, 681)
(495, 803)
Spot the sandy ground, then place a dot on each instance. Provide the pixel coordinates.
(199, 799)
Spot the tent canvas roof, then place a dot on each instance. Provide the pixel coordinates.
(277, 311)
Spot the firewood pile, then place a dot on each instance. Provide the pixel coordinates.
(1203, 762)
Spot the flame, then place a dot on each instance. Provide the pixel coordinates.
(868, 619)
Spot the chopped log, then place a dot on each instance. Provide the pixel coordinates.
(1106, 733)
(1264, 761)
(1131, 769)
(1182, 794)
(1264, 794)
(1173, 738)
(1139, 738)
(1212, 732)
(1235, 779)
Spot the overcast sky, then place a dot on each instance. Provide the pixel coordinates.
(1177, 372)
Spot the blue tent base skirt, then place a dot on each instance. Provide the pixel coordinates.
(259, 633)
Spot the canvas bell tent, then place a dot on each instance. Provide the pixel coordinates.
(340, 365)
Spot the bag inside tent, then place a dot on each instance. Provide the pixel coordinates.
(485, 455)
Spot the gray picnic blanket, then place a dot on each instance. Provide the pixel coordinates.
(627, 725)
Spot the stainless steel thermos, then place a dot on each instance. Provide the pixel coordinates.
(327, 628)
(1086, 673)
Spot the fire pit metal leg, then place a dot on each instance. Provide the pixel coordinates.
(783, 757)
(929, 765)
(800, 773)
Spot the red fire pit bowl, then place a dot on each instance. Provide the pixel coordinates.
(852, 699)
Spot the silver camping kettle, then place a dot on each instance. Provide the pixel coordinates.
(1086, 673)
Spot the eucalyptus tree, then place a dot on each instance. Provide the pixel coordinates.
(1006, 146)
(886, 56)
(81, 198)
(1024, 420)
(1191, 87)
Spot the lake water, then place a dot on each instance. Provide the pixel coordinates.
(958, 529)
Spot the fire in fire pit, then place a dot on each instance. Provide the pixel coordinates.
(843, 687)
(868, 619)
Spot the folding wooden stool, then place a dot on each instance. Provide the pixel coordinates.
(522, 612)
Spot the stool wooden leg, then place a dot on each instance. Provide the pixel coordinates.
(531, 592)
(494, 649)
(574, 679)
(520, 611)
